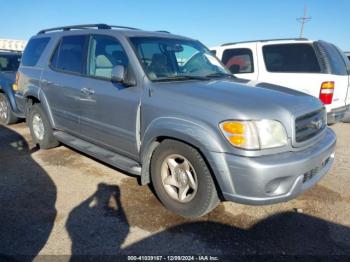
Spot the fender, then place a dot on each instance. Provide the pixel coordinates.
(36, 92)
(5, 88)
(199, 135)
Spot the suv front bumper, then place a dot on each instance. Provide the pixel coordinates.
(274, 178)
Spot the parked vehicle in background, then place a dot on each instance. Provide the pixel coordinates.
(12, 44)
(162, 107)
(9, 63)
(347, 54)
(317, 68)
(347, 115)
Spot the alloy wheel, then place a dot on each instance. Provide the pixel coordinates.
(179, 178)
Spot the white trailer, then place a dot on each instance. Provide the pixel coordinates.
(12, 44)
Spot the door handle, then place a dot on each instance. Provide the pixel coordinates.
(87, 91)
(46, 82)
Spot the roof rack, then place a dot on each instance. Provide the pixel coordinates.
(85, 26)
(163, 31)
(266, 40)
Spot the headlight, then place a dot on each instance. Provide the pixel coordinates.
(15, 87)
(254, 135)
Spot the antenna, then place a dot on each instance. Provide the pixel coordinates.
(303, 20)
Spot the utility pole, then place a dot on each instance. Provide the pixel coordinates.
(303, 20)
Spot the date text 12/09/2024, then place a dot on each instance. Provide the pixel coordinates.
(173, 258)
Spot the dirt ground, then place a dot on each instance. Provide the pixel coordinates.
(60, 202)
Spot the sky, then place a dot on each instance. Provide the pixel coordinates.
(211, 22)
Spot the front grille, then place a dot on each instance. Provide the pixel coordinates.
(309, 125)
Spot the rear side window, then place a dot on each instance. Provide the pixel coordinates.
(213, 52)
(291, 58)
(345, 59)
(33, 51)
(69, 54)
(239, 60)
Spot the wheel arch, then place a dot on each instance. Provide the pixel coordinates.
(204, 141)
(32, 98)
(6, 89)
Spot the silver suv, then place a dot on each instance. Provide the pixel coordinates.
(162, 107)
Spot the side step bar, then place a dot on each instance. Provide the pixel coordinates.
(100, 153)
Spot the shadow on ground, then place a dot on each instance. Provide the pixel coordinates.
(27, 199)
(100, 225)
(115, 220)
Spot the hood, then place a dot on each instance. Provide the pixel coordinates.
(241, 99)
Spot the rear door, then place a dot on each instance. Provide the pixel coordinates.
(293, 65)
(63, 80)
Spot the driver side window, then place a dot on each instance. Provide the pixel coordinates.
(156, 60)
(105, 53)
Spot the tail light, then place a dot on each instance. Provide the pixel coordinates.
(326, 92)
(15, 85)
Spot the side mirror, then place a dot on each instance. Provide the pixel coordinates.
(118, 74)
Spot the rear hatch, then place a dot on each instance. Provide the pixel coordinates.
(334, 62)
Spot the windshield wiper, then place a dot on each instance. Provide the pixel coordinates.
(218, 74)
(181, 77)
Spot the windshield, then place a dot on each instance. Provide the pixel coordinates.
(9, 63)
(166, 59)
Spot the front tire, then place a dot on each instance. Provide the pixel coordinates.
(182, 180)
(7, 117)
(40, 128)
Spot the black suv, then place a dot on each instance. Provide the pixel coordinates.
(9, 63)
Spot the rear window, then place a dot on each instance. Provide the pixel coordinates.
(69, 54)
(33, 51)
(337, 60)
(9, 63)
(291, 58)
(238, 60)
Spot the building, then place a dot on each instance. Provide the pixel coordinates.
(12, 44)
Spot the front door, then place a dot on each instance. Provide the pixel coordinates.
(109, 111)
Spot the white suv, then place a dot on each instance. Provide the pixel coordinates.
(317, 68)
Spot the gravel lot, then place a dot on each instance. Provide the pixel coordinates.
(60, 202)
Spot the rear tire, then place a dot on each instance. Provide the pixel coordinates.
(177, 167)
(7, 117)
(40, 128)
